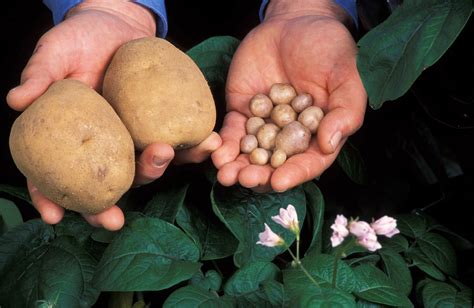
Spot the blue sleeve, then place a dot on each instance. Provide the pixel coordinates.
(348, 5)
(59, 8)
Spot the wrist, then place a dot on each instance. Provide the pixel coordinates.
(288, 9)
(133, 13)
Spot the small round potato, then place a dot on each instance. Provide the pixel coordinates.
(282, 93)
(283, 114)
(259, 156)
(301, 102)
(261, 106)
(293, 139)
(310, 117)
(253, 124)
(248, 143)
(266, 136)
(278, 158)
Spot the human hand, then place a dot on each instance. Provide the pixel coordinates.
(80, 48)
(307, 45)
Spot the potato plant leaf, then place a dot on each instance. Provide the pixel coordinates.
(148, 254)
(352, 163)
(9, 214)
(244, 213)
(211, 236)
(397, 271)
(58, 273)
(194, 297)
(315, 203)
(320, 267)
(167, 202)
(439, 251)
(393, 54)
(441, 294)
(213, 57)
(374, 286)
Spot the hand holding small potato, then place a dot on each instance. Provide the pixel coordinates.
(305, 44)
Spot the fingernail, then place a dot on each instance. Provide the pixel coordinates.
(335, 140)
(159, 162)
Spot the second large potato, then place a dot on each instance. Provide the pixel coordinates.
(160, 94)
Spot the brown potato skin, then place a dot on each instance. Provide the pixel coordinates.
(73, 147)
(293, 139)
(160, 94)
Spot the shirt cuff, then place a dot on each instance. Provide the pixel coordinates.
(348, 5)
(59, 8)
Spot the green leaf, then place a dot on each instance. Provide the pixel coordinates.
(166, 203)
(19, 192)
(352, 162)
(321, 268)
(211, 236)
(213, 57)
(192, 296)
(365, 304)
(323, 298)
(370, 258)
(148, 254)
(397, 243)
(397, 271)
(16, 244)
(439, 251)
(411, 225)
(420, 260)
(211, 281)
(244, 213)
(245, 285)
(73, 224)
(455, 239)
(275, 293)
(374, 286)
(9, 214)
(441, 294)
(58, 273)
(392, 55)
(315, 203)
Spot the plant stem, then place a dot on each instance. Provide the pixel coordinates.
(298, 248)
(298, 262)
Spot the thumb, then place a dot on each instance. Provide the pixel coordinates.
(345, 115)
(40, 72)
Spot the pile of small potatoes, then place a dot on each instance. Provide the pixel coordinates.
(282, 125)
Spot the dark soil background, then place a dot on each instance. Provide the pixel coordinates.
(418, 150)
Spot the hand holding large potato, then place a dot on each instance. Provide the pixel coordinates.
(80, 48)
(305, 44)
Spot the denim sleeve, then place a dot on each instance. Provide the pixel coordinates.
(348, 5)
(59, 8)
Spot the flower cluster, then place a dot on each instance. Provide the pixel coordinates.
(365, 233)
(288, 219)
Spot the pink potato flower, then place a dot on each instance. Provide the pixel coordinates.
(339, 230)
(288, 219)
(385, 226)
(269, 238)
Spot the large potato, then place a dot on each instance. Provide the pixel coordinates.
(72, 145)
(160, 94)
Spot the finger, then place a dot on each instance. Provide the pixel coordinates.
(256, 177)
(50, 212)
(153, 162)
(303, 167)
(40, 72)
(111, 219)
(232, 131)
(200, 152)
(346, 112)
(228, 175)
